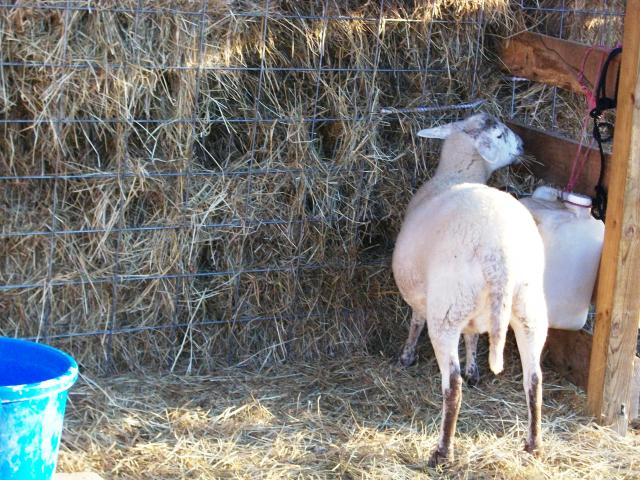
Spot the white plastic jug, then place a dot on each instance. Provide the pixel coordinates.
(573, 244)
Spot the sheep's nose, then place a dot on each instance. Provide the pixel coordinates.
(520, 148)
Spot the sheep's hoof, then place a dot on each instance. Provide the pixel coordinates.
(534, 448)
(473, 377)
(439, 457)
(408, 359)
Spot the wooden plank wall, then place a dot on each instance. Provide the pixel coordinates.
(554, 155)
(557, 62)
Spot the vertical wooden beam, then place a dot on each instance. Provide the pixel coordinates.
(618, 301)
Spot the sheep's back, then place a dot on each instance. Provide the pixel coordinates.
(462, 228)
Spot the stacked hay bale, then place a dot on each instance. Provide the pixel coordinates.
(191, 182)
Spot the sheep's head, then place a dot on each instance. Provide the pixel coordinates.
(492, 139)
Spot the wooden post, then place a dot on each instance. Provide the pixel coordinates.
(618, 300)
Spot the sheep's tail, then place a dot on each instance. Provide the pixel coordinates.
(497, 339)
(500, 302)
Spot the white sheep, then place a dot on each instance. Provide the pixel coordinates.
(469, 260)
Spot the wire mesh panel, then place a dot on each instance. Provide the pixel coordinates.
(594, 23)
(184, 182)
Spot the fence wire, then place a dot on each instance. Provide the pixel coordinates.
(130, 210)
(169, 167)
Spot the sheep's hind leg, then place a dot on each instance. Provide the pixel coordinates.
(408, 356)
(471, 371)
(534, 403)
(446, 350)
(530, 343)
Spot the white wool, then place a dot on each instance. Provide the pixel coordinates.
(469, 258)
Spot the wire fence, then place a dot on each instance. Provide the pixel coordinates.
(592, 23)
(237, 190)
(191, 179)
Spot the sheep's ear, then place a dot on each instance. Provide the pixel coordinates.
(487, 152)
(443, 131)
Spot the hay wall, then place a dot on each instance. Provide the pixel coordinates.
(185, 183)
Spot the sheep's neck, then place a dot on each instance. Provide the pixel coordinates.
(460, 162)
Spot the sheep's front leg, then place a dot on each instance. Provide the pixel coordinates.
(447, 356)
(408, 356)
(471, 371)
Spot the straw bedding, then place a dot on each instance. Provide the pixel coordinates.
(361, 418)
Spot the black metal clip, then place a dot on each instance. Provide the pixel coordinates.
(603, 131)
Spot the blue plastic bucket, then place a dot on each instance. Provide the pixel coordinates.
(34, 380)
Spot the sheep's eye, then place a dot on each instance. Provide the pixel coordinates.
(501, 135)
